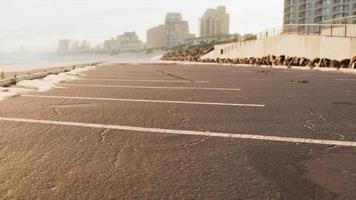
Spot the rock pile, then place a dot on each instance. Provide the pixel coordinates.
(270, 60)
(191, 55)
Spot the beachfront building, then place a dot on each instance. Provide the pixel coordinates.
(84, 47)
(71, 46)
(215, 22)
(127, 41)
(66, 46)
(170, 34)
(317, 11)
(109, 45)
(176, 29)
(156, 37)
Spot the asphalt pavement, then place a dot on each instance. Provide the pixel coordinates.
(173, 131)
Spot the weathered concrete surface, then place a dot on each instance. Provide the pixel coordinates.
(307, 46)
(65, 162)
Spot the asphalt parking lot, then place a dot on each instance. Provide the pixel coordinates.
(172, 131)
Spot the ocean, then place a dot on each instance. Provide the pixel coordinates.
(36, 58)
(29, 61)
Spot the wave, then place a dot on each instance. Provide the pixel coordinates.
(42, 85)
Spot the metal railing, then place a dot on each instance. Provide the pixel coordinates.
(328, 30)
(342, 20)
(340, 27)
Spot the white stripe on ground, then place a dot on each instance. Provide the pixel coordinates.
(143, 80)
(185, 132)
(145, 101)
(151, 87)
(346, 79)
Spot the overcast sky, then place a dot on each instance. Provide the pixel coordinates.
(37, 25)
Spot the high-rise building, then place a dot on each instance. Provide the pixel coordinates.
(172, 33)
(66, 46)
(156, 37)
(128, 41)
(85, 46)
(317, 11)
(177, 30)
(109, 45)
(215, 22)
(72, 46)
(128, 37)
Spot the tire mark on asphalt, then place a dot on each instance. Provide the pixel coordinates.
(178, 147)
(344, 103)
(56, 107)
(176, 76)
(190, 144)
(118, 155)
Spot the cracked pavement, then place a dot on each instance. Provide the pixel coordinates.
(44, 161)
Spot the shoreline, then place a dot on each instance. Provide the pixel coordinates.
(16, 73)
(11, 78)
(76, 59)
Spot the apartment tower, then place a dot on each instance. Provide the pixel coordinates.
(215, 22)
(317, 11)
(156, 37)
(176, 31)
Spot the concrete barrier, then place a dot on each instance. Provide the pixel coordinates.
(336, 48)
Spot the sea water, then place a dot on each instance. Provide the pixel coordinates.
(12, 62)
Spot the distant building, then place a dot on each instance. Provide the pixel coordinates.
(72, 46)
(98, 48)
(171, 34)
(176, 29)
(84, 47)
(317, 11)
(156, 37)
(215, 22)
(108, 45)
(66, 46)
(128, 41)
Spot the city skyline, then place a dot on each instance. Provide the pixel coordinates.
(37, 25)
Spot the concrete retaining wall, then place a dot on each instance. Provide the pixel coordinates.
(290, 45)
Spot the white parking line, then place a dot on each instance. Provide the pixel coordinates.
(144, 80)
(346, 79)
(185, 132)
(145, 101)
(151, 87)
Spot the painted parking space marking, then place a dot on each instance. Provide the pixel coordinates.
(144, 80)
(346, 79)
(151, 87)
(294, 140)
(145, 101)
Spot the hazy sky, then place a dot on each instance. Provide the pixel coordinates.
(37, 25)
